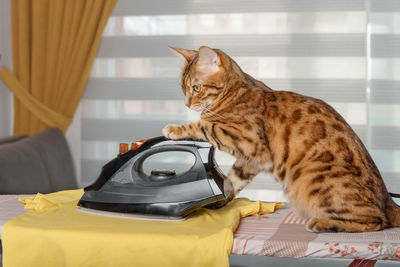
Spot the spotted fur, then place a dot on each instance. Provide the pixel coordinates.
(327, 173)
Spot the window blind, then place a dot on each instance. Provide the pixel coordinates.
(343, 52)
(384, 88)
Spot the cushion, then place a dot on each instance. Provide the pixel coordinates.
(11, 139)
(41, 163)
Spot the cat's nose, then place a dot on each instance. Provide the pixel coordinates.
(188, 101)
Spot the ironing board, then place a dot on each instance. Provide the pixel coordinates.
(282, 239)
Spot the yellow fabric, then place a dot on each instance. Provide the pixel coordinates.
(54, 46)
(48, 116)
(53, 233)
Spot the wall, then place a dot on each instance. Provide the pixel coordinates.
(5, 60)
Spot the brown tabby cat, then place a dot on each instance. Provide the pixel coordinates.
(326, 172)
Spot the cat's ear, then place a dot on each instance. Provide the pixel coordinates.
(187, 54)
(208, 60)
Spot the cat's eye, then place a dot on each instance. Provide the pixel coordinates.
(197, 88)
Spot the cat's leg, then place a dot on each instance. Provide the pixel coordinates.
(241, 174)
(242, 171)
(347, 216)
(322, 225)
(204, 130)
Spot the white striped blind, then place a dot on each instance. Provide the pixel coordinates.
(344, 52)
(384, 88)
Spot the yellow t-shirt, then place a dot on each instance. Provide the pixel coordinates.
(53, 233)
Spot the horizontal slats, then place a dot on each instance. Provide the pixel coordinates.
(385, 137)
(361, 132)
(237, 45)
(385, 45)
(136, 129)
(134, 88)
(385, 92)
(172, 7)
(392, 181)
(385, 5)
(330, 90)
(90, 170)
(382, 138)
(123, 129)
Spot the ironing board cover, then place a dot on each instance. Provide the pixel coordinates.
(9, 208)
(283, 234)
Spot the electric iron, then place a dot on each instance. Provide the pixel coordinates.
(125, 189)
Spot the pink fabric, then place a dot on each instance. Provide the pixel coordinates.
(5, 197)
(9, 208)
(283, 234)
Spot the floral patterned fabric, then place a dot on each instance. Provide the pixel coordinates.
(283, 234)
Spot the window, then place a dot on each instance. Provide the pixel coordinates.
(383, 91)
(343, 52)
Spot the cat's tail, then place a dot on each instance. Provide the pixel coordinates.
(393, 212)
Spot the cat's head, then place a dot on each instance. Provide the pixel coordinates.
(203, 76)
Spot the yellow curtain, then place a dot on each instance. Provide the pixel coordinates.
(54, 45)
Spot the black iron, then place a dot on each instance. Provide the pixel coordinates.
(123, 186)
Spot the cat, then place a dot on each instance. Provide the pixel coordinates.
(327, 174)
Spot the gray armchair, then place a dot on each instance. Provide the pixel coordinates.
(39, 163)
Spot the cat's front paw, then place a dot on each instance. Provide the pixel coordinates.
(173, 131)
